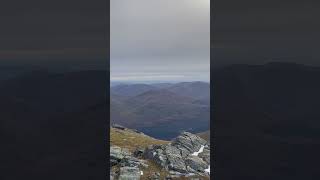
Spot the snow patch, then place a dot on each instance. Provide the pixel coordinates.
(207, 170)
(190, 174)
(200, 151)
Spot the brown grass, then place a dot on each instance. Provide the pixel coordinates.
(132, 140)
(148, 172)
(205, 135)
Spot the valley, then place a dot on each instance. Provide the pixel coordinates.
(162, 110)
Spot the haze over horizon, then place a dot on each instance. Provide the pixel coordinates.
(160, 40)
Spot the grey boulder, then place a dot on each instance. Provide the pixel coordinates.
(129, 173)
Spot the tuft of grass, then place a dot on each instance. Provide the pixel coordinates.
(153, 168)
(205, 135)
(132, 140)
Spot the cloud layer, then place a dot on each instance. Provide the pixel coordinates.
(167, 37)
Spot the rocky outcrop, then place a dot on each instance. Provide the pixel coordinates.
(117, 154)
(129, 173)
(187, 154)
(128, 164)
(117, 126)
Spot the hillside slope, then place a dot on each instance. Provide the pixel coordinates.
(161, 112)
(51, 125)
(131, 139)
(272, 112)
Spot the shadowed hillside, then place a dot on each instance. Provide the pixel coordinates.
(162, 110)
(266, 121)
(51, 125)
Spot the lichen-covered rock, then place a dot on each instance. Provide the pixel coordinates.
(139, 152)
(186, 154)
(205, 155)
(129, 173)
(112, 175)
(189, 142)
(117, 154)
(176, 163)
(128, 164)
(196, 164)
(156, 153)
(133, 162)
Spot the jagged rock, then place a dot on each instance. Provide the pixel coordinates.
(196, 164)
(117, 126)
(155, 152)
(176, 163)
(178, 157)
(205, 155)
(122, 157)
(113, 175)
(133, 162)
(129, 173)
(117, 154)
(189, 142)
(139, 152)
(187, 155)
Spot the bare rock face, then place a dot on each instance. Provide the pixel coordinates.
(195, 164)
(117, 154)
(205, 155)
(129, 165)
(189, 142)
(129, 173)
(186, 154)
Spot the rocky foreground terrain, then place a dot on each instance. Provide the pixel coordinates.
(185, 157)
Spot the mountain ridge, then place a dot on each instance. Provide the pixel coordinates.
(156, 107)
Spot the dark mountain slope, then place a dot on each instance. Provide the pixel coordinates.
(197, 89)
(51, 125)
(265, 121)
(153, 111)
(161, 96)
(131, 89)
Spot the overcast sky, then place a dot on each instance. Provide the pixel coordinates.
(160, 40)
(148, 34)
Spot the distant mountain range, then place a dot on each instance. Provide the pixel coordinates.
(162, 109)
